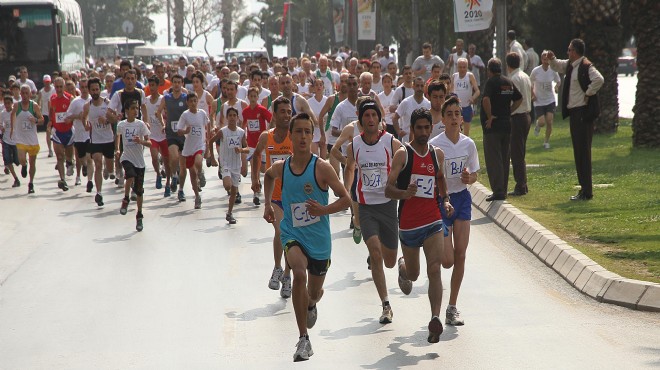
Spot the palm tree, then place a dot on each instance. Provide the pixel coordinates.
(598, 23)
(646, 125)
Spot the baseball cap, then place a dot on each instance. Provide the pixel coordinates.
(339, 59)
(46, 78)
(234, 76)
(12, 78)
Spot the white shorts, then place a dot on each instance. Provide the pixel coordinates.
(317, 135)
(250, 153)
(235, 175)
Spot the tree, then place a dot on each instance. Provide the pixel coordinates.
(179, 11)
(202, 18)
(646, 28)
(598, 23)
(106, 17)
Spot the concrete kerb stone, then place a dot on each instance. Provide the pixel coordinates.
(650, 301)
(579, 270)
(626, 292)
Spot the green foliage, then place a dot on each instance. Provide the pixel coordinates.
(106, 16)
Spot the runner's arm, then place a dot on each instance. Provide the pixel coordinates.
(349, 170)
(391, 190)
(327, 176)
(256, 161)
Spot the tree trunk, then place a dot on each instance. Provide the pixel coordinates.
(227, 20)
(646, 28)
(178, 13)
(598, 23)
(483, 40)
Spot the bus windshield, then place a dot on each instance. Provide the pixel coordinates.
(24, 34)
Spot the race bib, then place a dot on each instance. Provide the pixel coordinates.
(196, 131)
(278, 157)
(301, 217)
(27, 125)
(60, 117)
(174, 124)
(234, 142)
(372, 178)
(425, 185)
(454, 166)
(253, 125)
(547, 86)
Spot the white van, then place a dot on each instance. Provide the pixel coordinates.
(241, 54)
(147, 54)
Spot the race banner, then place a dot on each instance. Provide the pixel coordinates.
(366, 19)
(472, 15)
(338, 19)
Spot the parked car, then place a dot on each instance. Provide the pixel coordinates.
(627, 62)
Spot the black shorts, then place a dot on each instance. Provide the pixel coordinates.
(46, 120)
(315, 267)
(178, 141)
(82, 148)
(107, 149)
(137, 173)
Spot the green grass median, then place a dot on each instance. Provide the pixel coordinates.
(620, 227)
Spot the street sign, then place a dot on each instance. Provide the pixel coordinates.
(127, 27)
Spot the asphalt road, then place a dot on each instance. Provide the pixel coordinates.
(82, 290)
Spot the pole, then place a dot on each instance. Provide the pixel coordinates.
(289, 39)
(415, 29)
(169, 30)
(500, 31)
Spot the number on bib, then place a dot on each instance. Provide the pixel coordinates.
(301, 217)
(278, 157)
(372, 178)
(253, 125)
(174, 124)
(60, 117)
(27, 125)
(425, 185)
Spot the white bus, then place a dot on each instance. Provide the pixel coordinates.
(147, 54)
(110, 47)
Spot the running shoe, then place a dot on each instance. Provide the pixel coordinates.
(30, 188)
(285, 292)
(120, 182)
(159, 182)
(138, 222)
(124, 206)
(350, 226)
(112, 177)
(537, 129)
(202, 179)
(312, 315)
(90, 186)
(435, 329)
(181, 196)
(231, 220)
(78, 182)
(386, 316)
(357, 235)
(84, 170)
(404, 284)
(368, 262)
(69, 169)
(16, 183)
(238, 199)
(546, 145)
(24, 171)
(275, 278)
(168, 192)
(256, 200)
(106, 175)
(453, 317)
(133, 196)
(175, 183)
(198, 202)
(62, 185)
(303, 350)
(99, 200)
(50, 153)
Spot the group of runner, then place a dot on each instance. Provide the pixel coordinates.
(396, 141)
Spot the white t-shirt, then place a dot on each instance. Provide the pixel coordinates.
(316, 107)
(157, 129)
(401, 93)
(437, 129)
(461, 155)
(542, 84)
(229, 159)
(386, 101)
(101, 133)
(330, 79)
(196, 138)
(462, 88)
(377, 86)
(129, 132)
(80, 135)
(242, 92)
(405, 109)
(45, 98)
(475, 63)
(344, 114)
(115, 101)
(5, 126)
(201, 101)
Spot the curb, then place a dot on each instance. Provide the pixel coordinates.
(577, 269)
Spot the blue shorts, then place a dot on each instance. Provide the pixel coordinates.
(62, 138)
(467, 113)
(9, 154)
(415, 238)
(278, 203)
(462, 203)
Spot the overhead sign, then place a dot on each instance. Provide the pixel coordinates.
(127, 27)
(366, 19)
(472, 15)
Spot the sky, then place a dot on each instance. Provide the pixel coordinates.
(215, 44)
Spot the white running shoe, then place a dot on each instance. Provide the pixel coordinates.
(404, 284)
(546, 145)
(78, 181)
(537, 129)
(303, 350)
(453, 317)
(275, 278)
(312, 315)
(386, 316)
(285, 292)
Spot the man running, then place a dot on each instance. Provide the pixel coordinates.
(157, 136)
(101, 138)
(465, 86)
(306, 226)
(194, 124)
(405, 109)
(62, 137)
(174, 103)
(9, 151)
(255, 121)
(372, 153)
(75, 114)
(43, 97)
(417, 179)
(25, 117)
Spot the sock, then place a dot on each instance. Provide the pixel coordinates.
(451, 306)
(435, 317)
(306, 336)
(386, 301)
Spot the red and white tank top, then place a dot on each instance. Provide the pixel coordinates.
(422, 209)
(374, 162)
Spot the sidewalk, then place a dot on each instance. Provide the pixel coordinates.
(579, 270)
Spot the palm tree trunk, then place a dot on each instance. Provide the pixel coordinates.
(598, 23)
(178, 13)
(227, 21)
(646, 119)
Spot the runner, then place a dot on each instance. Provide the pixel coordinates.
(316, 103)
(328, 111)
(387, 101)
(372, 153)
(174, 103)
(277, 146)
(465, 86)
(233, 143)
(255, 121)
(62, 137)
(417, 179)
(461, 166)
(101, 138)
(158, 139)
(43, 97)
(194, 124)
(329, 77)
(25, 117)
(437, 94)
(134, 134)
(405, 109)
(9, 151)
(306, 226)
(75, 114)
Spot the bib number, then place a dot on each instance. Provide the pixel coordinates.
(174, 124)
(372, 178)
(547, 86)
(278, 157)
(60, 117)
(454, 167)
(253, 125)
(301, 217)
(425, 185)
(27, 125)
(196, 131)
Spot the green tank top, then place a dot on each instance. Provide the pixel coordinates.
(331, 112)
(30, 108)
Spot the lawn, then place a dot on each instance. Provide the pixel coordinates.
(620, 227)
